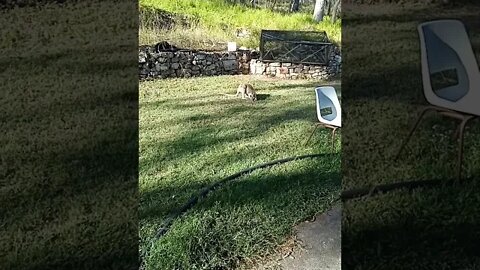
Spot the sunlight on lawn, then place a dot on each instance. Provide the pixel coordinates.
(192, 135)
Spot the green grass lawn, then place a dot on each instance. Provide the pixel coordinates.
(382, 99)
(68, 189)
(216, 22)
(191, 135)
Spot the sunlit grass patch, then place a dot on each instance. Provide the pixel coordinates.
(191, 135)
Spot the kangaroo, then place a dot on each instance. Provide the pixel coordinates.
(246, 91)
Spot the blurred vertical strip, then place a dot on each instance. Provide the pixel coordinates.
(69, 135)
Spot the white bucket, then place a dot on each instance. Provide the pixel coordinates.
(232, 46)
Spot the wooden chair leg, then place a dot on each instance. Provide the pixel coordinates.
(316, 126)
(456, 134)
(411, 131)
(333, 138)
(461, 136)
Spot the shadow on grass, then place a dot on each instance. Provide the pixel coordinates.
(269, 203)
(195, 140)
(262, 187)
(195, 102)
(154, 198)
(67, 187)
(262, 96)
(70, 180)
(403, 83)
(159, 201)
(71, 101)
(283, 87)
(311, 85)
(425, 229)
(453, 236)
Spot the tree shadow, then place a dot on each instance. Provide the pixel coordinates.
(425, 229)
(267, 188)
(283, 200)
(197, 139)
(158, 202)
(388, 84)
(81, 182)
(74, 171)
(155, 197)
(429, 227)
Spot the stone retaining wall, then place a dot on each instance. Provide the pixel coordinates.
(185, 63)
(296, 71)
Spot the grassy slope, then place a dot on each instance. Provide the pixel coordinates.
(64, 197)
(218, 22)
(191, 137)
(382, 105)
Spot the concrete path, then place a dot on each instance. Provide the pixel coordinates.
(320, 245)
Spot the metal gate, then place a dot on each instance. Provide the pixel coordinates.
(307, 47)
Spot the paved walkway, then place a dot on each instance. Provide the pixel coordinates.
(320, 244)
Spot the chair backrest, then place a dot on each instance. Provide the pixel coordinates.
(328, 106)
(451, 78)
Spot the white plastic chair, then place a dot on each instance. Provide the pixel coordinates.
(329, 112)
(450, 74)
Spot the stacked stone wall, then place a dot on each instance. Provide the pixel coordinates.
(186, 63)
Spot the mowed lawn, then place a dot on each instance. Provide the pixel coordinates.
(69, 141)
(192, 135)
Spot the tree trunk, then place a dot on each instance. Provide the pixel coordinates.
(336, 10)
(327, 6)
(295, 5)
(319, 12)
(274, 3)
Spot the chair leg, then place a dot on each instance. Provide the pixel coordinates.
(461, 130)
(456, 134)
(316, 126)
(333, 138)
(411, 132)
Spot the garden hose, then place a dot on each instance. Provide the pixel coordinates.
(409, 185)
(194, 200)
(344, 196)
